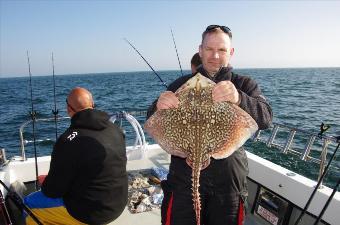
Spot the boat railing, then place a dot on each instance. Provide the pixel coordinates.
(280, 136)
(24, 142)
(287, 136)
(140, 144)
(140, 141)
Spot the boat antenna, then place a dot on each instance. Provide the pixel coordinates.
(179, 62)
(55, 111)
(163, 83)
(19, 203)
(303, 212)
(33, 117)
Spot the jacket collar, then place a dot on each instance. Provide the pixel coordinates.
(90, 119)
(225, 73)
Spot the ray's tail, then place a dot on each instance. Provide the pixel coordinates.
(196, 172)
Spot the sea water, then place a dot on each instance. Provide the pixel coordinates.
(300, 97)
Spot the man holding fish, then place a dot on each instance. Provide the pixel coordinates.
(222, 176)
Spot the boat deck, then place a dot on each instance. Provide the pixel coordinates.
(294, 190)
(154, 218)
(155, 158)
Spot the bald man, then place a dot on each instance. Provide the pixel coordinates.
(87, 181)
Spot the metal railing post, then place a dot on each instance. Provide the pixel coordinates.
(289, 141)
(323, 158)
(272, 136)
(308, 147)
(256, 136)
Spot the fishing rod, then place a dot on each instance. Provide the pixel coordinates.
(323, 128)
(4, 214)
(55, 111)
(164, 84)
(327, 203)
(19, 203)
(33, 117)
(179, 62)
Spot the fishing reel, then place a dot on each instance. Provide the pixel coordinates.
(323, 128)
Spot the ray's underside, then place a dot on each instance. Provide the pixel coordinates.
(199, 129)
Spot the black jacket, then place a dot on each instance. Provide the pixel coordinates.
(88, 168)
(224, 176)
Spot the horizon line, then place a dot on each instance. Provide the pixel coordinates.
(143, 71)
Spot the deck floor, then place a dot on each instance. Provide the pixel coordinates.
(158, 159)
(154, 218)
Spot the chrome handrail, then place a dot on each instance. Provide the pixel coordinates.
(21, 131)
(51, 119)
(286, 148)
(275, 128)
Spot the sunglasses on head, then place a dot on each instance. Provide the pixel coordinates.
(223, 28)
(70, 106)
(93, 106)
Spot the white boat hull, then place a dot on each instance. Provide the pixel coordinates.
(291, 187)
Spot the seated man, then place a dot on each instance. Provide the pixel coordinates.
(87, 181)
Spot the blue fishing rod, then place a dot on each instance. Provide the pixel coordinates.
(179, 62)
(33, 117)
(159, 77)
(55, 111)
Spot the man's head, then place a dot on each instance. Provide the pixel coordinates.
(78, 100)
(215, 50)
(195, 62)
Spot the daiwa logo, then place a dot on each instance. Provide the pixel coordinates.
(73, 135)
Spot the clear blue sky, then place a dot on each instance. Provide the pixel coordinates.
(87, 36)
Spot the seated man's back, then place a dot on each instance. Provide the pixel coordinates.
(88, 166)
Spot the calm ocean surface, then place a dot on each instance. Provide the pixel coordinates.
(300, 98)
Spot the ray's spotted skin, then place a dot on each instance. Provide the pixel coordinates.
(199, 129)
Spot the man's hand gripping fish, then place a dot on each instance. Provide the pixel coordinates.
(199, 129)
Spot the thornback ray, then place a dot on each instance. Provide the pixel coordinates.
(199, 129)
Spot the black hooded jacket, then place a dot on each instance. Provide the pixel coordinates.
(223, 176)
(88, 168)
